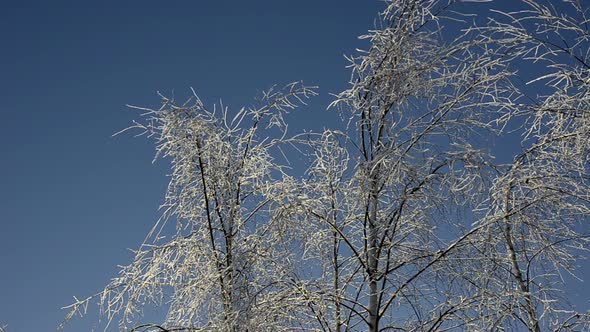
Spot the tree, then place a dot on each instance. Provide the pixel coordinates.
(219, 267)
(539, 203)
(403, 220)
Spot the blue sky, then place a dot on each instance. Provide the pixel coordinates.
(72, 198)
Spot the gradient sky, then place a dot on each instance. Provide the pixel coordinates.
(72, 198)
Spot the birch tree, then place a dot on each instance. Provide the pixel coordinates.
(414, 103)
(217, 270)
(537, 219)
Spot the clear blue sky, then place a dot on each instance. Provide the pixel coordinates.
(72, 198)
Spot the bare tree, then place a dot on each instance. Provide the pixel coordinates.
(413, 105)
(537, 217)
(218, 271)
(403, 220)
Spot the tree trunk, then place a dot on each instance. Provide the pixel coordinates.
(373, 259)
